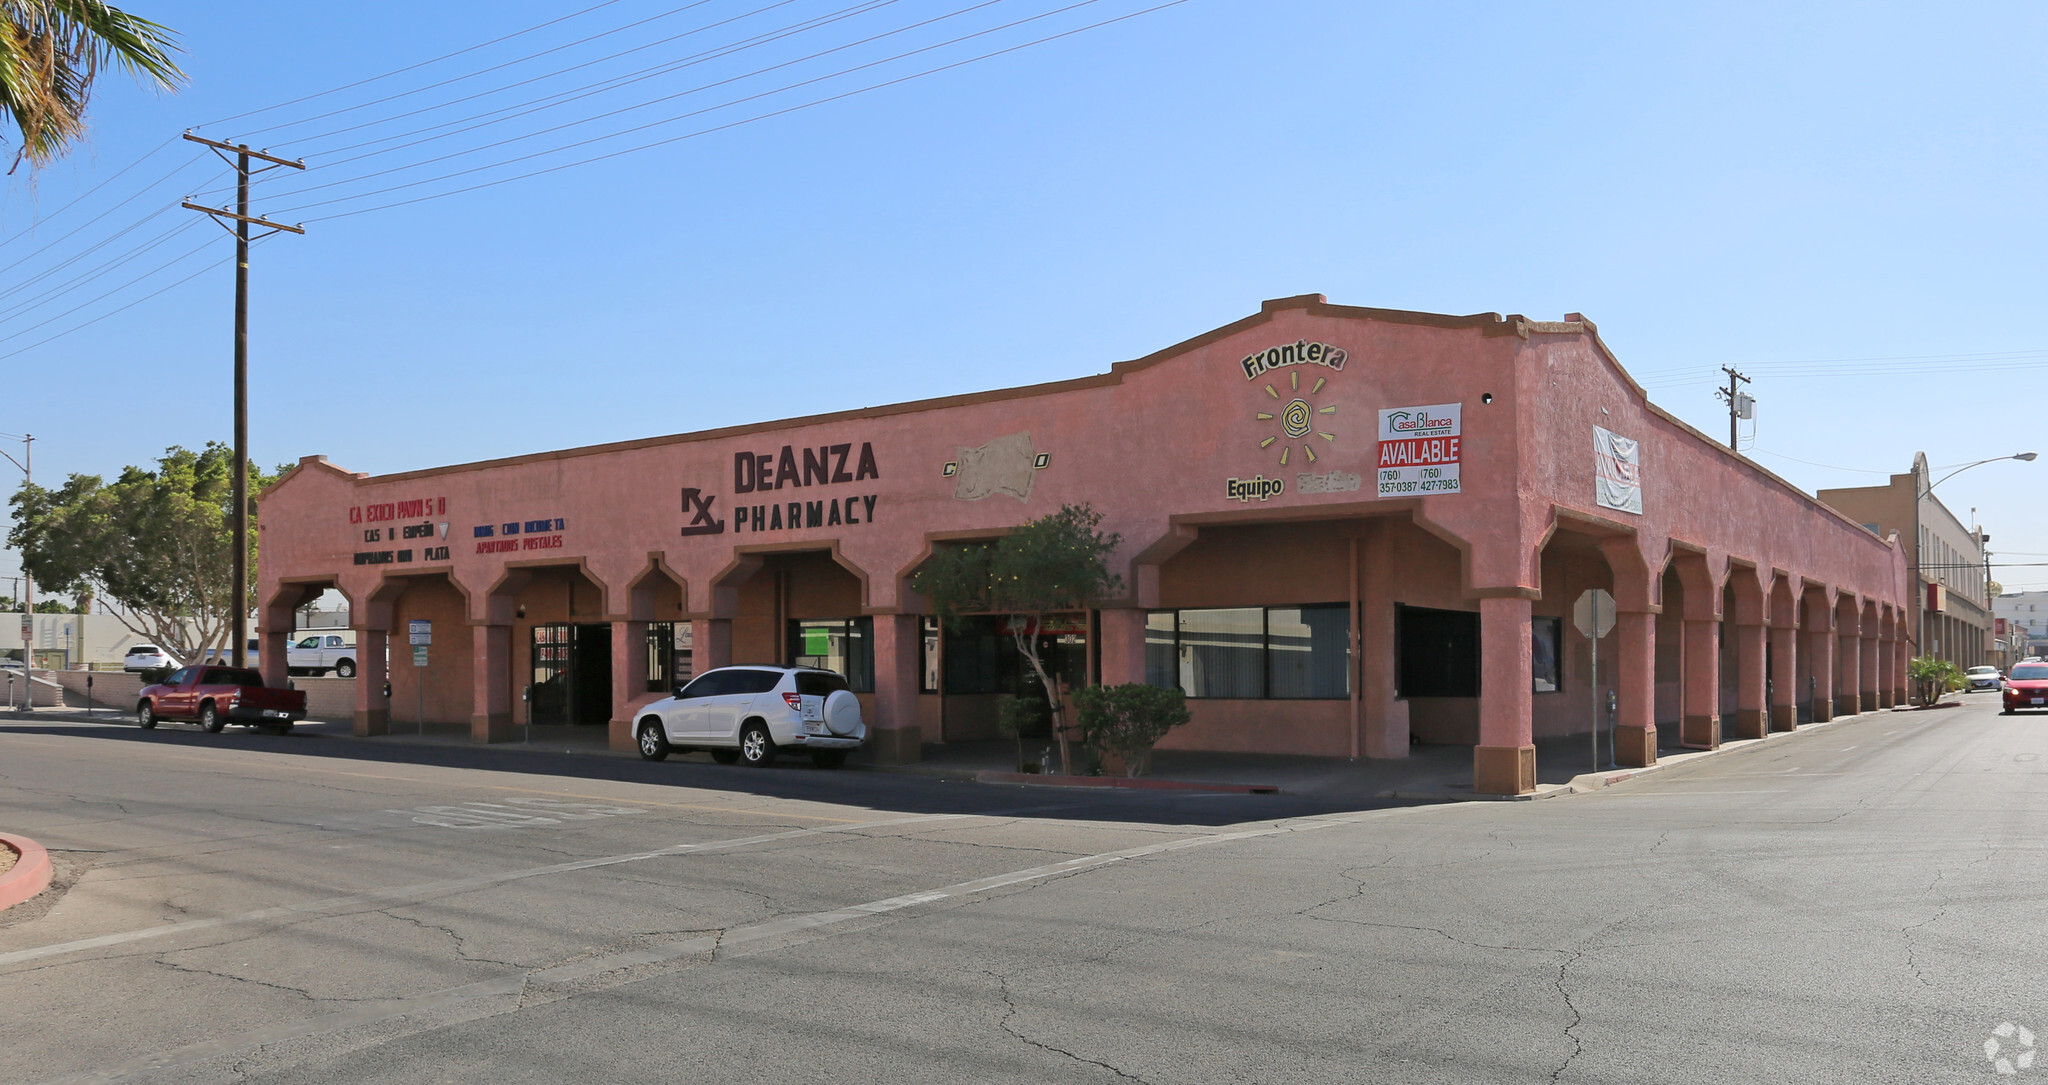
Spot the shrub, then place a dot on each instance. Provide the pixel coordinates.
(1128, 720)
(1021, 716)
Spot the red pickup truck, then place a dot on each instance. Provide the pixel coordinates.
(218, 696)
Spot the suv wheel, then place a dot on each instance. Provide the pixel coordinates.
(145, 715)
(653, 744)
(756, 748)
(209, 718)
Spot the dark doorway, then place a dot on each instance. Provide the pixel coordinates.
(572, 674)
(1439, 652)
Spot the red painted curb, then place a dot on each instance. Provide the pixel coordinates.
(1045, 780)
(30, 875)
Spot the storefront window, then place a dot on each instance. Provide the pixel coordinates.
(1546, 653)
(668, 655)
(1251, 653)
(981, 655)
(1307, 651)
(844, 645)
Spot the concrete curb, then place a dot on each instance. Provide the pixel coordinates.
(30, 875)
(1034, 779)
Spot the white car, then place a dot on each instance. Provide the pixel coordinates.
(148, 657)
(750, 714)
(1984, 678)
(320, 653)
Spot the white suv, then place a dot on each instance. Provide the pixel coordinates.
(750, 714)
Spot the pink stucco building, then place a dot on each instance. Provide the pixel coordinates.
(1344, 530)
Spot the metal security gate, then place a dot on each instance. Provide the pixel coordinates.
(572, 674)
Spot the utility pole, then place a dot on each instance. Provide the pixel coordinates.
(27, 463)
(242, 154)
(1739, 405)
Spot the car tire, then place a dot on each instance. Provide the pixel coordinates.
(145, 716)
(210, 718)
(757, 749)
(345, 669)
(828, 759)
(726, 757)
(652, 743)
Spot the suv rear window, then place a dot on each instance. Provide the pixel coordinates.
(141, 649)
(818, 683)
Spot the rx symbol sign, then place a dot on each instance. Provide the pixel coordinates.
(698, 508)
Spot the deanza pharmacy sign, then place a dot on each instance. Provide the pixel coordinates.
(1419, 450)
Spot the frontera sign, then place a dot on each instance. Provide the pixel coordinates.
(1299, 352)
(1420, 450)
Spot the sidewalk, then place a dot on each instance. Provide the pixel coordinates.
(1429, 774)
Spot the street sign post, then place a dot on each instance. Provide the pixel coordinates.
(421, 633)
(1593, 614)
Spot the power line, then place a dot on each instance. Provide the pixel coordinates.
(75, 200)
(86, 277)
(480, 71)
(181, 259)
(550, 101)
(723, 105)
(678, 94)
(121, 309)
(412, 67)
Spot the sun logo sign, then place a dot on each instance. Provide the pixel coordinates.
(1299, 420)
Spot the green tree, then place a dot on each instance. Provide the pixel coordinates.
(52, 51)
(1056, 563)
(1128, 720)
(1933, 678)
(156, 545)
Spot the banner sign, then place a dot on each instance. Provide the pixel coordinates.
(1618, 472)
(1420, 450)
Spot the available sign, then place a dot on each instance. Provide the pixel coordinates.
(1420, 450)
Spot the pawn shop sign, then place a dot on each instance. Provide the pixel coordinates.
(1594, 613)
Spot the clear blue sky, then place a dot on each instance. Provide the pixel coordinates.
(1750, 183)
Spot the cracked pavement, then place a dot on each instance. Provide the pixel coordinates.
(1853, 903)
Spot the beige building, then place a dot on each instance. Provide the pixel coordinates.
(1951, 611)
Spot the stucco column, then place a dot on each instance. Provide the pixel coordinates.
(1635, 724)
(629, 681)
(1820, 662)
(373, 708)
(893, 734)
(490, 712)
(1867, 670)
(1123, 646)
(1784, 678)
(1700, 728)
(1504, 762)
(1902, 653)
(272, 643)
(710, 644)
(1850, 655)
(1386, 715)
(1750, 721)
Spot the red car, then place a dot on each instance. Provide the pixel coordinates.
(2026, 687)
(218, 696)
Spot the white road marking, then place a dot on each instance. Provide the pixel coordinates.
(516, 984)
(428, 890)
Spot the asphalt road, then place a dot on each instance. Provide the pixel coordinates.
(1860, 902)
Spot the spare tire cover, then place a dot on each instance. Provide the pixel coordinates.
(842, 714)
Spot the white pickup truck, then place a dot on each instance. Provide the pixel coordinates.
(322, 652)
